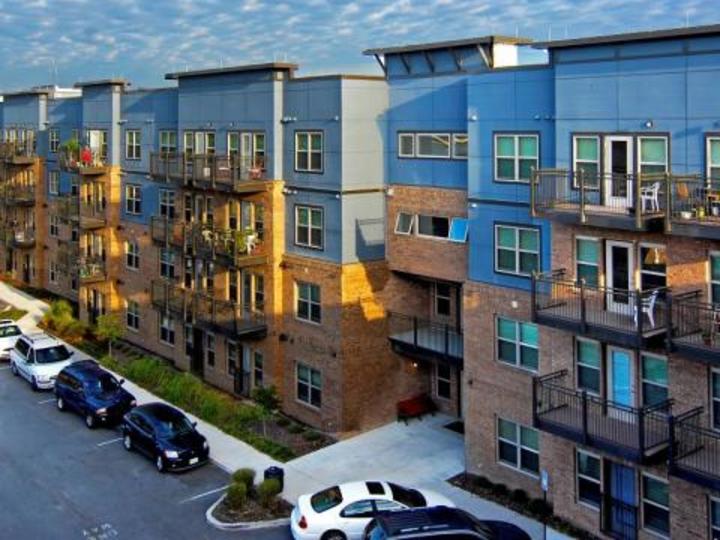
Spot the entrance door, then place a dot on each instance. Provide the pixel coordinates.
(621, 514)
(9, 261)
(619, 266)
(617, 186)
(197, 363)
(620, 376)
(26, 269)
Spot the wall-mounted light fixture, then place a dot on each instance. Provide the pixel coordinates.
(648, 124)
(473, 205)
(288, 119)
(122, 121)
(473, 117)
(390, 192)
(336, 118)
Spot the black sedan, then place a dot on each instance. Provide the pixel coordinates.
(165, 435)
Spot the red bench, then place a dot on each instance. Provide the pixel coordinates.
(415, 407)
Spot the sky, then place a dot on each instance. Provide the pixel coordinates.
(65, 41)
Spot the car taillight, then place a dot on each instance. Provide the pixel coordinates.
(302, 523)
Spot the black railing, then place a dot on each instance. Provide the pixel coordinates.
(696, 327)
(91, 269)
(20, 194)
(93, 213)
(618, 519)
(168, 232)
(630, 432)
(415, 335)
(167, 296)
(214, 171)
(695, 449)
(68, 207)
(694, 199)
(609, 313)
(637, 195)
(231, 246)
(23, 237)
(67, 256)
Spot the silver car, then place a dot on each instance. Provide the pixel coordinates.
(9, 334)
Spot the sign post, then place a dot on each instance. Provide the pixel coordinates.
(544, 485)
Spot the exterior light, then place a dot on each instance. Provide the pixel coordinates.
(649, 124)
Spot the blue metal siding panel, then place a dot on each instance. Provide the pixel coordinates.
(363, 228)
(149, 205)
(332, 249)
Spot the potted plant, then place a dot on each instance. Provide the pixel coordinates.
(71, 149)
(700, 212)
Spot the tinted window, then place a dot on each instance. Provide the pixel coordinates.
(170, 427)
(58, 353)
(9, 331)
(360, 509)
(411, 498)
(22, 347)
(326, 499)
(102, 385)
(383, 505)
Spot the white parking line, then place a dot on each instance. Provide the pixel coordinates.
(110, 441)
(196, 497)
(46, 401)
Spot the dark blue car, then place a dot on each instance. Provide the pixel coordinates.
(93, 392)
(165, 435)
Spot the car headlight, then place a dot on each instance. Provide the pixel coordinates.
(171, 454)
(100, 412)
(205, 445)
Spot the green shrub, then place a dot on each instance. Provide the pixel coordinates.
(236, 495)
(267, 492)
(519, 496)
(540, 508)
(312, 436)
(244, 476)
(296, 429)
(500, 490)
(483, 482)
(282, 421)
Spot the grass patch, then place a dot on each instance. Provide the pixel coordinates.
(13, 313)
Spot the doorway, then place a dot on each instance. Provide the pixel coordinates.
(619, 266)
(197, 361)
(621, 512)
(618, 191)
(620, 376)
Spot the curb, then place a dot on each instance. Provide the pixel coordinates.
(242, 525)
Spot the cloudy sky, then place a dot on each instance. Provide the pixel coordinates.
(63, 41)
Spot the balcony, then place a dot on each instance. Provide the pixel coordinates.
(167, 232)
(92, 214)
(637, 319)
(67, 256)
(20, 194)
(22, 238)
(91, 270)
(637, 434)
(616, 201)
(695, 452)
(68, 207)
(426, 340)
(167, 296)
(85, 162)
(210, 171)
(236, 249)
(18, 152)
(696, 328)
(694, 207)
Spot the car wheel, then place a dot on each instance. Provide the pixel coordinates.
(333, 535)
(90, 420)
(60, 404)
(14, 369)
(127, 442)
(160, 463)
(33, 384)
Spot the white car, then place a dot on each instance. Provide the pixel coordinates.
(342, 512)
(39, 358)
(9, 334)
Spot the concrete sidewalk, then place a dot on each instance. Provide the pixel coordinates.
(422, 454)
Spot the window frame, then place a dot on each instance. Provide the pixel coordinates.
(210, 349)
(598, 243)
(54, 225)
(134, 315)
(644, 501)
(518, 343)
(309, 134)
(411, 228)
(641, 270)
(465, 224)
(169, 330)
(576, 160)
(53, 140)
(578, 364)
(443, 380)
(309, 384)
(433, 134)
(713, 254)
(517, 249)
(456, 136)
(54, 182)
(166, 203)
(712, 527)
(232, 361)
(709, 139)
(133, 144)
(167, 147)
(310, 227)
(431, 236)
(133, 204)
(579, 476)
(517, 443)
(258, 369)
(132, 255)
(400, 136)
(714, 421)
(644, 381)
(640, 162)
(166, 262)
(516, 157)
(310, 302)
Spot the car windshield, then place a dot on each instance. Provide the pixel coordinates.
(411, 498)
(103, 385)
(58, 353)
(326, 499)
(171, 427)
(9, 331)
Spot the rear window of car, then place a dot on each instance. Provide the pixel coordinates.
(411, 498)
(326, 499)
(58, 353)
(9, 331)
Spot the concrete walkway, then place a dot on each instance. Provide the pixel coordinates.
(421, 454)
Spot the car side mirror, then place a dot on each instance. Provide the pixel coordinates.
(194, 424)
(121, 382)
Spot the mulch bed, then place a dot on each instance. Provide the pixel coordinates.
(252, 511)
(299, 438)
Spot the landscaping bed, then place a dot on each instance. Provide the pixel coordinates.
(519, 501)
(251, 511)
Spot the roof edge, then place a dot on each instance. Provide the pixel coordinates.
(434, 45)
(268, 66)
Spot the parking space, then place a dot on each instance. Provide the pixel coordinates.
(60, 480)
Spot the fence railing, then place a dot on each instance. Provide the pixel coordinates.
(68, 206)
(19, 193)
(209, 241)
(67, 256)
(439, 338)
(12, 149)
(695, 323)
(84, 160)
(23, 237)
(631, 432)
(170, 232)
(695, 449)
(91, 268)
(93, 210)
(694, 198)
(211, 170)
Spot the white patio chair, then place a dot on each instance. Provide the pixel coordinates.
(647, 307)
(649, 195)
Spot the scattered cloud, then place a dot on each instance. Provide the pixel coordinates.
(63, 41)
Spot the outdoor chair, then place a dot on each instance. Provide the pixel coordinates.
(649, 196)
(647, 307)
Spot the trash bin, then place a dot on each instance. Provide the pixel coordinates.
(277, 473)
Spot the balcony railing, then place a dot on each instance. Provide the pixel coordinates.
(18, 152)
(228, 246)
(632, 318)
(68, 207)
(632, 433)
(20, 194)
(167, 232)
(93, 214)
(91, 269)
(86, 161)
(426, 340)
(167, 296)
(694, 206)
(618, 519)
(605, 200)
(695, 450)
(696, 328)
(22, 238)
(67, 256)
(210, 171)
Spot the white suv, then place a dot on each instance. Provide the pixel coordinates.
(39, 358)
(9, 334)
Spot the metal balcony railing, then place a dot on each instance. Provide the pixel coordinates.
(167, 232)
(417, 337)
(91, 269)
(235, 248)
(67, 256)
(211, 171)
(618, 519)
(93, 213)
(694, 206)
(23, 237)
(18, 152)
(696, 327)
(19, 194)
(629, 432)
(85, 161)
(695, 449)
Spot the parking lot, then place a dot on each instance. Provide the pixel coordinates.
(60, 480)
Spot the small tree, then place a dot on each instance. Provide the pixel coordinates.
(267, 399)
(110, 327)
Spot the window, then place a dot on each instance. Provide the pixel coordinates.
(54, 225)
(53, 272)
(715, 519)
(168, 142)
(309, 385)
(167, 330)
(309, 151)
(259, 289)
(309, 224)
(405, 223)
(712, 158)
(458, 230)
(652, 267)
(260, 220)
(715, 398)
(653, 155)
(517, 343)
(133, 199)
(586, 160)
(132, 144)
(443, 299)
(587, 260)
(460, 145)
(54, 138)
(53, 182)
(443, 381)
(308, 302)
(715, 278)
(518, 446)
(74, 233)
(433, 145)
(167, 203)
(232, 357)
(258, 368)
(517, 250)
(588, 354)
(434, 226)
(210, 349)
(132, 314)
(359, 509)
(167, 263)
(406, 145)
(588, 482)
(132, 255)
(515, 157)
(654, 372)
(656, 505)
